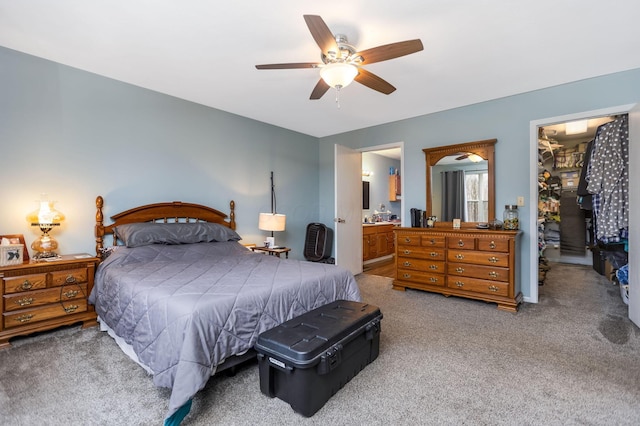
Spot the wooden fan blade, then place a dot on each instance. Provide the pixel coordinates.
(293, 65)
(322, 34)
(390, 51)
(320, 89)
(374, 82)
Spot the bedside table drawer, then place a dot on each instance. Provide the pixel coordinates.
(43, 297)
(25, 283)
(55, 310)
(71, 276)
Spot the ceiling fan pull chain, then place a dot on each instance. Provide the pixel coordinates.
(338, 96)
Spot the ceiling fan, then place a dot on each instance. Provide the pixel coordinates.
(474, 158)
(342, 63)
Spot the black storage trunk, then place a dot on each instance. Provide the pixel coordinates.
(306, 360)
(318, 242)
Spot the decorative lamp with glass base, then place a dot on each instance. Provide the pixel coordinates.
(46, 217)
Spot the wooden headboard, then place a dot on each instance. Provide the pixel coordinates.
(176, 211)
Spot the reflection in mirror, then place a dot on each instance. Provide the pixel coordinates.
(460, 189)
(460, 182)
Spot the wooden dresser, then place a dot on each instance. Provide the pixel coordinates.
(477, 264)
(39, 296)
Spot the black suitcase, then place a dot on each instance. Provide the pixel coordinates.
(306, 360)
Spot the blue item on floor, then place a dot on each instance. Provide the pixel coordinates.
(623, 274)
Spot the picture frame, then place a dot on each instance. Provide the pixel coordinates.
(18, 239)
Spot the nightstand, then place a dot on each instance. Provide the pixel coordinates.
(39, 296)
(273, 251)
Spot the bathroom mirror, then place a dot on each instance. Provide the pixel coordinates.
(461, 182)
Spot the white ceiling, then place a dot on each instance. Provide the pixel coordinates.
(205, 51)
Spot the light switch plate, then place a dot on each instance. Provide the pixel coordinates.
(520, 201)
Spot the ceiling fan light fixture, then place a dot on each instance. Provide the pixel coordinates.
(338, 74)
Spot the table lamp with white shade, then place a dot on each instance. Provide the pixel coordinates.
(273, 222)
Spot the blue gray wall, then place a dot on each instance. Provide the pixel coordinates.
(507, 119)
(76, 135)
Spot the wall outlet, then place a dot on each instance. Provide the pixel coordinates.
(520, 201)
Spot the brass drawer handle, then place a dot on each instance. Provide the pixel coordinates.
(71, 308)
(493, 274)
(459, 256)
(407, 252)
(433, 267)
(459, 283)
(406, 264)
(492, 244)
(26, 285)
(70, 279)
(493, 288)
(459, 270)
(460, 243)
(25, 301)
(493, 259)
(71, 293)
(432, 241)
(407, 239)
(433, 254)
(405, 275)
(24, 318)
(433, 280)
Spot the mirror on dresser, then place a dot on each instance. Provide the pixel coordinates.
(461, 182)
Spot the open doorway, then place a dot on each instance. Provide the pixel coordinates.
(565, 219)
(382, 171)
(552, 133)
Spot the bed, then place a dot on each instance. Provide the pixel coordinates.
(185, 299)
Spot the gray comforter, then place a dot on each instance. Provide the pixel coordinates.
(186, 308)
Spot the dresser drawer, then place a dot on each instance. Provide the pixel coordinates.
(25, 283)
(71, 276)
(407, 240)
(421, 265)
(488, 244)
(461, 243)
(43, 297)
(478, 286)
(422, 252)
(477, 271)
(421, 277)
(55, 310)
(479, 257)
(432, 241)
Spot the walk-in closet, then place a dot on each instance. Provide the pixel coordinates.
(583, 203)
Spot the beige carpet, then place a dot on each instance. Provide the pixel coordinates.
(572, 359)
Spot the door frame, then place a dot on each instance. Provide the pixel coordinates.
(533, 182)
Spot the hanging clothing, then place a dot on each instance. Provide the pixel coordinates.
(608, 180)
(585, 199)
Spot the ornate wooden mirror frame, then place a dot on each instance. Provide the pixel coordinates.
(484, 149)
